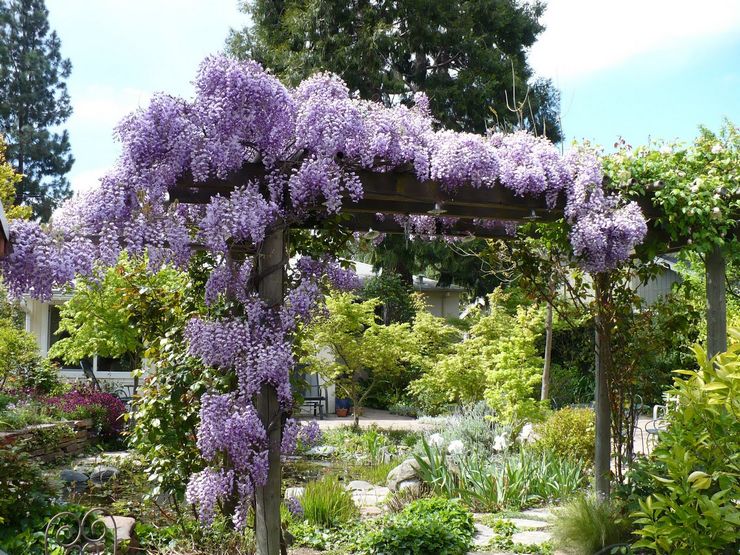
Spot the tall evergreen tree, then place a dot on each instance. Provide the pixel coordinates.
(469, 57)
(33, 104)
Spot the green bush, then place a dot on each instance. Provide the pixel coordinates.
(511, 480)
(24, 491)
(327, 503)
(570, 433)
(425, 526)
(587, 524)
(19, 352)
(693, 507)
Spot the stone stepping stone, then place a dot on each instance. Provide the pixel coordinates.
(531, 537)
(525, 523)
(483, 535)
(359, 485)
(542, 513)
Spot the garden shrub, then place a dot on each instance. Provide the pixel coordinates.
(569, 433)
(693, 506)
(425, 526)
(105, 409)
(587, 524)
(327, 503)
(24, 491)
(18, 353)
(498, 362)
(509, 480)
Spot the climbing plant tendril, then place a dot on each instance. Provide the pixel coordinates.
(313, 142)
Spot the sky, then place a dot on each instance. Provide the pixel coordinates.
(638, 69)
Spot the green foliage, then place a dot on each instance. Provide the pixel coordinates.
(424, 526)
(19, 353)
(189, 536)
(353, 351)
(44, 378)
(24, 492)
(395, 295)
(9, 180)
(33, 104)
(692, 507)
(587, 524)
(498, 361)
(509, 480)
(694, 186)
(569, 433)
(166, 417)
(121, 313)
(23, 413)
(327, 503)
(463, 57)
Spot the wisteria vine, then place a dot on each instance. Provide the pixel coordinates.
(312, 142)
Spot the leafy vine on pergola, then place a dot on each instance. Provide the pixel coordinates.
(232, 170)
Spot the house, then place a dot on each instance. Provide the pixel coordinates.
(42, 319)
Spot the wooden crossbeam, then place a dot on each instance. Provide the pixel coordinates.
(398, 193)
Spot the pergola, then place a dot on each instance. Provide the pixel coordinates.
(400, 192)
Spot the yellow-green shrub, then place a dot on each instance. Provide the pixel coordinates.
(569, 432)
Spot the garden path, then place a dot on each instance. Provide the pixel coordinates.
(374, 417)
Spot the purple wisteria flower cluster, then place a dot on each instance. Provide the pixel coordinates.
(310, 145)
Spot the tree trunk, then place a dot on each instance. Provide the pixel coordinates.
(602, 455)
(548, 349)
(716, 303)
(267, 498)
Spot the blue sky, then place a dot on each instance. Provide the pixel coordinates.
(634, 68)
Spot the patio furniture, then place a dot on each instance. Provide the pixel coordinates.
(656, 425)
(315, 395)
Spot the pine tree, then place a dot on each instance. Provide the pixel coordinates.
(33, 104)
(467, 56)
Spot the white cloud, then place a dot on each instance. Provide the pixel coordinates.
(103, 106)
(87, 179)
(584, 36)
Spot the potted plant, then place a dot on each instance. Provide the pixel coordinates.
(342, 407)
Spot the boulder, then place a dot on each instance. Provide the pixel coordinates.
(101, 474)
(414, 483)
(359, 485)
(406, 471)
(321, 451)
(124, 527)
(73, 476)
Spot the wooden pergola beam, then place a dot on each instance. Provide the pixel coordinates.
(398, 193)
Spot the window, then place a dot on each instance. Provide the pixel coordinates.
(98, 363)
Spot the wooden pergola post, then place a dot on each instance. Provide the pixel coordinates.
(602, 454)
(270, 264)
(716, 303)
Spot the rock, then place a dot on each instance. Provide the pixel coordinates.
(101, 474)
(525, 523)
(542, 513)
(293, 492)
(124, 527)
(359, 485)
(408, 484)
(321, 451)
(531, 537)
(371, 511)
(371, 497)
(68, 475)
(407, 470)
(483, 535)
